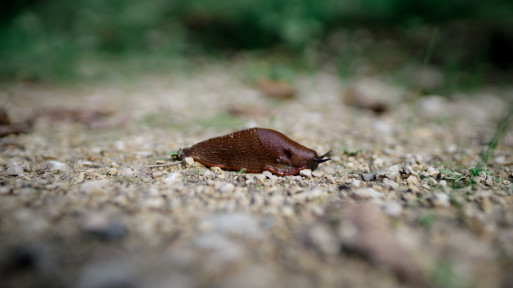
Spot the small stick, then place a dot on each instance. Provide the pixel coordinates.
(163, 165)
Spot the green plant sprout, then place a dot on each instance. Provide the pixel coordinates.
(500, 132)
(350, 152)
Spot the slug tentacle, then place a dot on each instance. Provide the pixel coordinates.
(255, 150)
(321, 158)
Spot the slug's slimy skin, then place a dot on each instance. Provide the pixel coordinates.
(255, 150)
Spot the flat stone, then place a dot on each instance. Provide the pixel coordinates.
(189, 161)
(54, 166)
(306, 173)
(391, 184)
(391, 173)
(369, 176)
(15, 171)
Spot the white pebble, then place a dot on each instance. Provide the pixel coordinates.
(391, 173)
(366, 193)
(129, 172)
(441, 200)
(412, 180)
(171, 178)
(393, 208)
(154, 202)
(260, 178)
(431, 182)
(317, 174)
(15, 171)
(391, 184)
(323, 239)
(189, 161)
(4, 190)
(112, 171)
(80, 178)
(432, 172)
(94, 187)
(306, 173)
(356, 183)
(54, 166)
(226, 188)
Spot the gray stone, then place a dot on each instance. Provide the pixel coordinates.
(391, 173)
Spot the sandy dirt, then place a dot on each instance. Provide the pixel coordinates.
(396, 206)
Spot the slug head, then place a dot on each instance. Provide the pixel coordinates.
(319, 159)
(288, 154)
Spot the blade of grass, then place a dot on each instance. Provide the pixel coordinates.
(500, 131)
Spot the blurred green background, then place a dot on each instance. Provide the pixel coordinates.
(44, 40)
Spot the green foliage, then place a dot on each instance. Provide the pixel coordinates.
(42, 39)
(475, 171)
(173, 153)
(427, 219)
(351, 152)
(500, 132)
(445, 276)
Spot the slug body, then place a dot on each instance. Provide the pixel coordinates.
(255, 150)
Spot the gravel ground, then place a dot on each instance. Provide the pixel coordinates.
(395, 207)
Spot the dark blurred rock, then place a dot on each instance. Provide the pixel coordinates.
(276, 89)
(104, 228)
(372, 94)
(365, 231)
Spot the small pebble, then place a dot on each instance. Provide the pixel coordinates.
(238, 224)
(171, 178)
(156, 174)
(391, 173)
(323, 239)
(441, 200)
(391, 184)
(215, 170)
(15, 171)
(431, 182)
(366, 193)
(432, 172)
(306, 173)
(4, 190)
(368, 176)
(129, 172)
(112, 171)
(393, 208)
(412, 180)
(54, 166)
(80, 178)
(189, 161)
(260, 178)
(94, 187)
(226, 188)
(154, 202)
(317, 174)
(356, 183)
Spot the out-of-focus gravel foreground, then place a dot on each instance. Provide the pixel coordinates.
(397, 206)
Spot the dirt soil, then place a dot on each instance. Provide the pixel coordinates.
(397, 206)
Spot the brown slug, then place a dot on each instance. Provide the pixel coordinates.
(255, 150)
